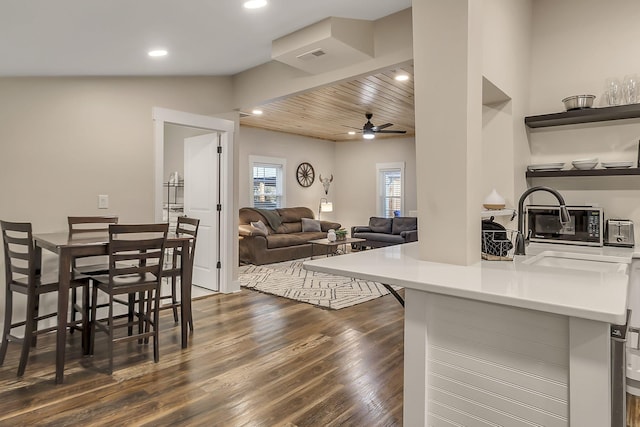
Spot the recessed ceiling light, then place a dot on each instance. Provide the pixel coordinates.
(402, 77)
(255, 4)
(352, 132)
(157, 52)
(256, 112)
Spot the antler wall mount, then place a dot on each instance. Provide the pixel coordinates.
(326, 182)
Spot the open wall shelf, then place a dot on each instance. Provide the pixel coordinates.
(587, 115)
(589, 172)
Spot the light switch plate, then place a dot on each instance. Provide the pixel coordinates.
(103, 201)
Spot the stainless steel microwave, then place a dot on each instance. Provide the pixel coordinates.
(542, 224)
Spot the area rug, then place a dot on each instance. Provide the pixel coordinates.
(290, 280)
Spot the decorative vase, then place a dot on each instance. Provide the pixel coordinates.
(331, 235)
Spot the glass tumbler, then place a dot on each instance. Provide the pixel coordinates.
(613, 91)
(630, 88)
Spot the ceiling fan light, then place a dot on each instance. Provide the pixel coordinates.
(368, 135)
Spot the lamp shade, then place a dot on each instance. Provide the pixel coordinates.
(326, 207)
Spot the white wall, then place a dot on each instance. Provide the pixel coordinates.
(570, 58)
(66, 140)
(295, 149)
(352, 164)
(506, 63)
(497, 151)
(355, 166)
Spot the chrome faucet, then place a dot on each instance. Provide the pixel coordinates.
(564, 215)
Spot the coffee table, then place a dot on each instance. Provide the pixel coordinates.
(329, 245)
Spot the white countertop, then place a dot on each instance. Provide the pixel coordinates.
(570, 292)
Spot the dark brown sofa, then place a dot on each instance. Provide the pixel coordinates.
(386, 232)
(282, 239)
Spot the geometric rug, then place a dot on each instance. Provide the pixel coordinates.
(288, 279)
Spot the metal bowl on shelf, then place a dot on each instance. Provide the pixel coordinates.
(578, 102)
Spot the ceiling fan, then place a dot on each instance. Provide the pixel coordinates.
(369, 130)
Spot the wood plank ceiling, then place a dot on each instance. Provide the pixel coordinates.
(332, 111)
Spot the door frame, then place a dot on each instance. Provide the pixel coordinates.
(225, 128)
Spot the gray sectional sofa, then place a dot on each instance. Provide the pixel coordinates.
(386, 232)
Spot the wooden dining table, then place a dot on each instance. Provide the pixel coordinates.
(68, 247)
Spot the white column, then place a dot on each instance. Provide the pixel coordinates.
(447, 43)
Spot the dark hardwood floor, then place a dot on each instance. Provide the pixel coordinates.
(253, 360)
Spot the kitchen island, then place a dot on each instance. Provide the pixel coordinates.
(525, 342)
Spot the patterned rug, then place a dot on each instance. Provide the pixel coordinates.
(290, 280)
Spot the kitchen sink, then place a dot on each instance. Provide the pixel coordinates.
(579, 261)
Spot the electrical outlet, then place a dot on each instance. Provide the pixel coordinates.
(103, 201)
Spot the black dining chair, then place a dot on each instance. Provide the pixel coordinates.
(91, 265)
(22, 276)
(136, 254)
(175, 260)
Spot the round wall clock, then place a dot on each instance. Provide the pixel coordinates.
(305, 174)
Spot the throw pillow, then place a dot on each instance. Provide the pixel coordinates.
(406, 223)
(260, 226)
(309, 224)
(380, 225)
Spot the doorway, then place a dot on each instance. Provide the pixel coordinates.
(222, 238)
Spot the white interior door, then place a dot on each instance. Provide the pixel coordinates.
(201, 197)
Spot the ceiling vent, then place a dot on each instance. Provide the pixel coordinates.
(326, 45)
(312, 54)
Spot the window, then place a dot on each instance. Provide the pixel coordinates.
(390, 180)
(267, 182)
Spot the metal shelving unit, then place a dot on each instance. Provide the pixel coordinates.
(173, 207)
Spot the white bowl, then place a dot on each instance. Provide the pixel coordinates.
(579, 161)
(585, 165)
